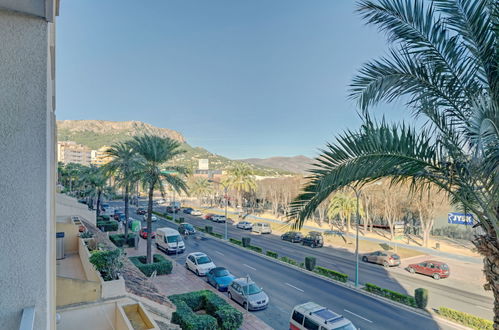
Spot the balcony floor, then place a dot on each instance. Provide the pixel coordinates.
(71, 267)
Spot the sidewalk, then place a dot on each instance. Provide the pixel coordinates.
(181, 281)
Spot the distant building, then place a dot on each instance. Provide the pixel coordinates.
(208, 174)
(99, 157)
(203, 164)
(72, 152)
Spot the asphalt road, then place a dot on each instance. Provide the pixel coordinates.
(288, 287)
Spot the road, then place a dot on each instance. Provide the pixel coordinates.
(288, 287)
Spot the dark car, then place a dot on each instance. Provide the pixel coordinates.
(118, 215)
(141, 211)
(143, 233)
(313, 239)
(83, 201)
(292, 236)
(188, 210)
(186, 227)
(170, 209)
(435, 269)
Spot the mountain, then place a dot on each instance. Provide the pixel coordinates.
(97, 133)
(296, 164)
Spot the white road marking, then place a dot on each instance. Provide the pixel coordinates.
(220, 253)
(294, 287)
(360, 317)
(249, 266)
(487, 309)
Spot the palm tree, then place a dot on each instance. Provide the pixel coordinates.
(444, 62)
(343, 206)
(94, 180)
(240, 177)
(154, 152)
(200, 187)
(123, 167)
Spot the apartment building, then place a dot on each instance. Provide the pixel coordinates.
(99, 157)
(72, 152)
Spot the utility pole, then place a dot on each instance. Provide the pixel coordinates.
(357, 195)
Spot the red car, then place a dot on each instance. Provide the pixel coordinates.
(208, 216)
(435, 269)
(143, 233)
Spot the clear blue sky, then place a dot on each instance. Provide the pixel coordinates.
(243, 79)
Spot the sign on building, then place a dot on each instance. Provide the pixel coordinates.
(460, 218)
(203, 164)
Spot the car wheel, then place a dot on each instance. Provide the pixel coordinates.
(412, 270)
(312, 246)
(197, 272)
(186, 266)
(386, 264)
(245, 304)
(364, 259)
(217, 287)
(230, 296)
(436, 276)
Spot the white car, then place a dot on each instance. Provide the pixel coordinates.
(218, 218)
(196, 212)
(244, 225)
(199, 263)
(161, 201)
(153, 218)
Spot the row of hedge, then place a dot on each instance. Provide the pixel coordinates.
(465, 319)
(331, 274)
(160, 264)
(272, 254)
(395, 296)
(104, 217)
(110, 225)
(219, 313)
(119, 239)
(235, 241)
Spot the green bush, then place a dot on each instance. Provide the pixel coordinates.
(331, 274)
(466, 319)
(105, 217)
(219, 314)
(111, 225)
(289, 261)
(160, 264)
(272, 254)
(395, 296)
(108, 262)
(181, 219)
(255, 248)
(119, 239)
(246, 241)
(169, 217)
(310, 263)
(235, 241)
(201, 229)
(208, 229)
(86, 234)
(421, 296)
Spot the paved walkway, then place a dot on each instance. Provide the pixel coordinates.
(181, 281)
(71, 267)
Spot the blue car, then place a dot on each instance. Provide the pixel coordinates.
(220, 278)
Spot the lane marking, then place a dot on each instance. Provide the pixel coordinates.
(294, 287)
(360, 317)
(220, 253)
(487, 309)
(249, 266)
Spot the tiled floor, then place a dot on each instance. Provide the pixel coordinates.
(71, 267)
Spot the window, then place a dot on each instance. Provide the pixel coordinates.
(311, 325)
(297, 317)
(191, 258)
(203, 260)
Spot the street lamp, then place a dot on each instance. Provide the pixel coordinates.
(357, 195)
(225, 198)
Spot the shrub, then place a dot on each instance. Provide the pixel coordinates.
(208, 229)
(181, 219)
(289, 261)
(421, 296)
(219, 314)
(160, 264)
(395, 296)
(216, 234)
(86, 234)
(169, 217)
(466, 319)
(201, 229)
(272, 254)
(310, 263)
(119, 239)
(235, 241)
(105, 217)
(331, 274)
(255, 248)
(109, 263)
(111, 225)
(246, 241)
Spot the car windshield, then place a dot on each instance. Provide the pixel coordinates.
(444, 267)
(203, 260)
(173, 239)
(251, 289)
(221, 272)
(188, 226)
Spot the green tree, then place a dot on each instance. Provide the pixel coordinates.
(154, 152)
(343, 206)
(200, 188)
(241, 178)
(95, 184)
(123, 166)
(444, 63)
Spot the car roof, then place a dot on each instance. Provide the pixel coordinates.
(434, 262)
(311, 308)
(198, 254)
(244, 281)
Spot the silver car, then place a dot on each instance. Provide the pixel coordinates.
(245, 292)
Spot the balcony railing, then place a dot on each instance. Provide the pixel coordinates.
(28, 318)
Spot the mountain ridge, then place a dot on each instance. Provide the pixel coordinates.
(296, 164)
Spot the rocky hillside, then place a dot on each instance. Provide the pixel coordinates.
(298, 164)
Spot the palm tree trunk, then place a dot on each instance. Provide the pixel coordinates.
(149, 225)
(127, 191)
(99, 193)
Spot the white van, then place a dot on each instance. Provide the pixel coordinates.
(169, 240)
(262, 228)
(313, 316)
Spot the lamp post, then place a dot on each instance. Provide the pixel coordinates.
(225, 198)
(357, 195)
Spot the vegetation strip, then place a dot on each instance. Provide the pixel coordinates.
(465, 319)
(395, 296)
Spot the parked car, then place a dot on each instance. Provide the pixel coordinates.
(160, 201)
(171, 209)
(385, 258)
(141, 211)
(104, 207)
(218, 218)
(117, 215)
(435, 269)
(313, 316)
(186, 227)
(196, 212)
(208, 216)
(313, 239)
(122, 218)
(143, 233)
(220, 278)
(262, 228)
(199, 263)
(82, 200)
(153, 218)
(245, 292)
(188, 210)
(169, 240)
(246, 225)
(292, 236)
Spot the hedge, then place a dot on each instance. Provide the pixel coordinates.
(289, 261)
(169, 217)
(160, 264)
(201, 229)
(395, 296)
(272, 254)
(421, 296)
(215, 234)
(465, 319)
(255, 248)
(310, 263)
(111, 225)
(235, 241)
(331, 274)
(219, 313)
(119, 239)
